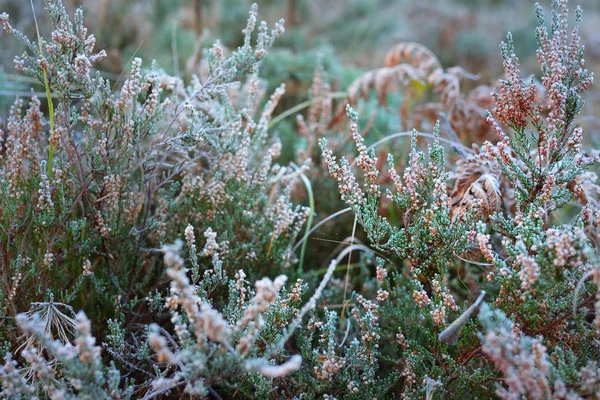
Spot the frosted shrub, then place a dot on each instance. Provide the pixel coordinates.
(159, 207)
(502, 214)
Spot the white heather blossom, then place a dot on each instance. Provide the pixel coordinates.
(277, 371)
(211, 247)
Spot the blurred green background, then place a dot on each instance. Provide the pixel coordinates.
(348, 37)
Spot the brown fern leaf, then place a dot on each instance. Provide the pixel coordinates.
(586, 191)
(412, 62)
(478, 178)
(468, 171)
(383, 80)
(403, 62)
(491, 186)
(484, 195)
(414, 54)
(447, 85)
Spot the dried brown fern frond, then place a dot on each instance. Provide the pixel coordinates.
(412, 69)
(479, 183)
(484, 194)
(446, 84)
(384, 80)
(469, 170)
(587, 193)
(414, 54)
(586, 190)
(466, 113)
(404, 63)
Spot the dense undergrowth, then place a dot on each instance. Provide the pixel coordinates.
(152, 245)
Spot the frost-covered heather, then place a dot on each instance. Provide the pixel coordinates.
(153, 244)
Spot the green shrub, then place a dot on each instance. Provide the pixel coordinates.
(157, 205)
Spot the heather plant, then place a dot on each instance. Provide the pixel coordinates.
(155, 207)
(61, 370)
(507, 201)
(531, 369)
(115, 169)
(122, 173)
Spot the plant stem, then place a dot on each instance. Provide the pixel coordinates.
(48, 94)
(309, 221)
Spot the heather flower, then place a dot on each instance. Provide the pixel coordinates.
(421, 298)
(381, 273)
(329, 368)
(350, 190)
(449, 302)
(215, 326)
(365, 161)
(5, 24)
(48, 259)
(439, 315)
(211, 247)
(382, 295)
(523, 360)
(284, 369)
(87, 268)
(530, 271)
(485, 247)
(514, 102)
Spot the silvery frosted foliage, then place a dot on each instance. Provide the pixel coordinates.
(67, 57)
(532, 370)
(131, 163)
(213, 351)
(60, 370)
(426, 236)
(94, 191)
(126, 166)
(544, 154)
(541, 261)
(540, 258)
(520, 223)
